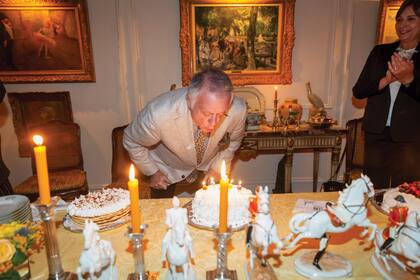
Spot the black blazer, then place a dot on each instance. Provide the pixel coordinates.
(405, 122)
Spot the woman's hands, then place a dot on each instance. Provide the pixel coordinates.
(401, 68)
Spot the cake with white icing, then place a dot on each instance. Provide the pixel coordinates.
(405, 195)
(103, 207)
(205, 206)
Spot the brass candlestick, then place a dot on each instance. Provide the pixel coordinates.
(222, 272)
(55, 269)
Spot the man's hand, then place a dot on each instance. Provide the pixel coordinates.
(159, 181)
(211, 173)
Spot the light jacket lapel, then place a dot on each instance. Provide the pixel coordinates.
(184, 128)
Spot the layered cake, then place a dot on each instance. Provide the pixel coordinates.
(405, 195)
(205, 206)
(103, 207)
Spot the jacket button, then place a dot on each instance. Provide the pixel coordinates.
(183, 176)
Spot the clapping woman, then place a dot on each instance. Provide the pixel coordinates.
(390, 80)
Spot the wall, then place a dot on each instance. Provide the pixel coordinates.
(137, 57)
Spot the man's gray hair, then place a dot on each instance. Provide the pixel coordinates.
(215, 79)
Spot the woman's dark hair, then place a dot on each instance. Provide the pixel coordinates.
(409, 3)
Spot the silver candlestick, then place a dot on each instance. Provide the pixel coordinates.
(55, 269)
(138, 254)
(222, 271)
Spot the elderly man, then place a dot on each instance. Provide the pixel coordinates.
(183, 135)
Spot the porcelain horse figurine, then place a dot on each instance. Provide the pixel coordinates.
(98, 257)
(177, 247)
(403, 239)
(349, 211)
(262, 232)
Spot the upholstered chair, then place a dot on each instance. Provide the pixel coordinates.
(355, 149)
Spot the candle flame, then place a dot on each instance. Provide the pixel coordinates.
(131, 174)
(203, 183)
(38, 140)
(223, 171)
(240, 182)
(275, 87)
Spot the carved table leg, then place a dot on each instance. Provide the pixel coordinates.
(335, 155)
(288, 171)
(315, 171)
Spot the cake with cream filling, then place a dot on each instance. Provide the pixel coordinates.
(205, 206)
(103, 207)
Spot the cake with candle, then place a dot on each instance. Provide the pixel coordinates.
(405, 195)
(205, 206)
(104, 207)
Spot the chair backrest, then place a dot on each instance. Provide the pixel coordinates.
(355, 145)
(63, 143)
(120, 159)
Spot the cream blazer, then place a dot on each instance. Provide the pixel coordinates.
(161, 137)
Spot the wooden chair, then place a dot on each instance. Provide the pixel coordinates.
(355, 149)
(65, 162)
(121, 164)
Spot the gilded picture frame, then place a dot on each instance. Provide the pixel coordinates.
(31, 109)
(45, 41)
(252, 41)
(386, 21)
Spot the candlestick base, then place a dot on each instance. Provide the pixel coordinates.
(148, 275)
(138, 255)
(222, 272)
(64, 276)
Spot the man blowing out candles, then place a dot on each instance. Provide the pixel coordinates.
(183, 135)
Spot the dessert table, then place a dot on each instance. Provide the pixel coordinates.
(153, 213)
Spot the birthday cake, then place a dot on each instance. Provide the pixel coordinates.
(103, 207)
(405, 195)
(205, 206)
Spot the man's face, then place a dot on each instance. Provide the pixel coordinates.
(209, 109)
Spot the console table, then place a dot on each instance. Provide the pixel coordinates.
(291, 140)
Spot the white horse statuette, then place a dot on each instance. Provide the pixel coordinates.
(403, 240)
(262, 232)
(98, 257)
(177, 247)
(349, 211)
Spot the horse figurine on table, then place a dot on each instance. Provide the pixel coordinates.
(262, 232)
(349, 211)
(98, 257)
(401, 238)
(177, 247)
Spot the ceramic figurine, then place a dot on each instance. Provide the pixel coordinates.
(98, 257)
(350, 210)
(177, 247)
(262, 232)
(401, 237)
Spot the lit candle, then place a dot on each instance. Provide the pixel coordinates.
(204, 185)
(275, 92)
(133, 187)
(223, 211)
(40, 152)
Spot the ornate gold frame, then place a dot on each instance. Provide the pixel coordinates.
(286, 34)
(82, 71)
(386, 21)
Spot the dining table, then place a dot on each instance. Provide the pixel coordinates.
(348, 244)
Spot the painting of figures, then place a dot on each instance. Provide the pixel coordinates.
(42, 43)
(232, 38)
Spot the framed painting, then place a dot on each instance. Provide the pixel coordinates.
(251, 41)
(45, 41)
(35, 108)
(386, 21)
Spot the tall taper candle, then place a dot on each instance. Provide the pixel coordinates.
(223, 211)
(133, 187)
(40, 152)
(275, 92)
